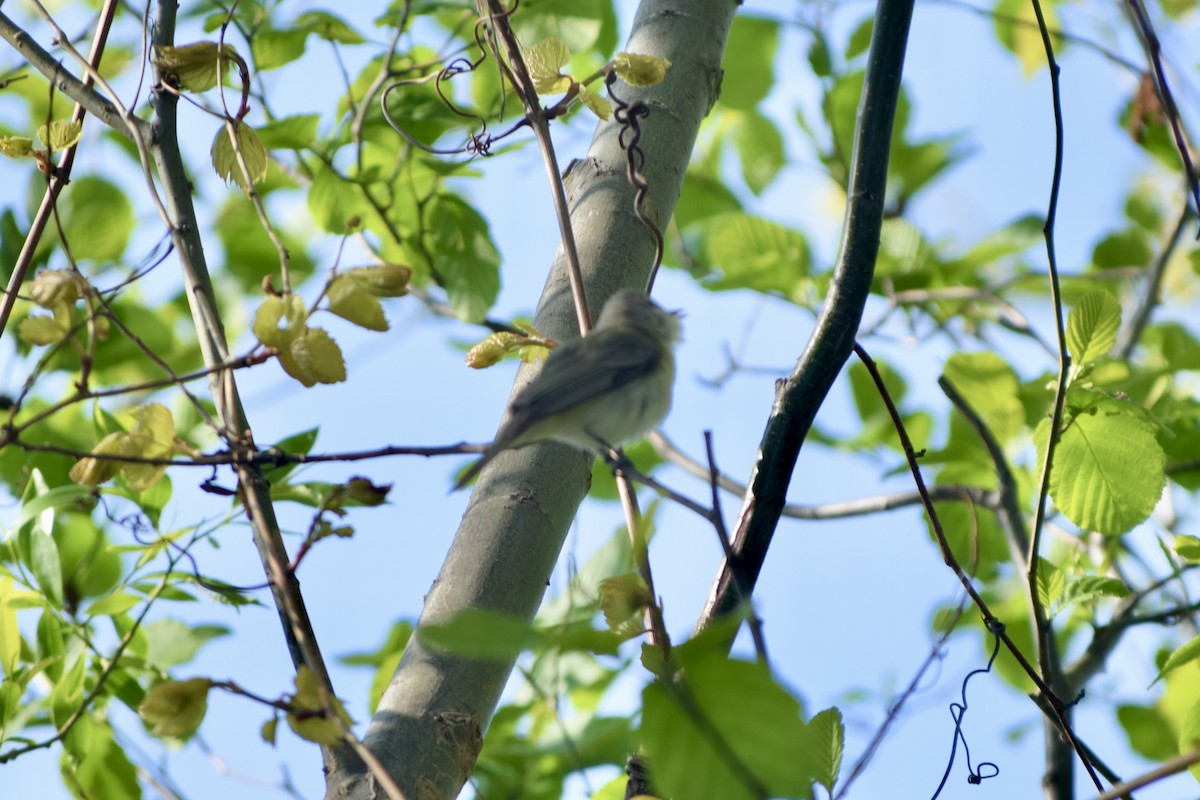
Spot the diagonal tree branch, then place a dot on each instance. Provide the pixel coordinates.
(798, 398)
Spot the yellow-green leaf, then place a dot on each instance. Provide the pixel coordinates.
(596, 104)
(351, 301)
(545, 61)
(639, 70)
(383, 280)
(54, 287)
(42, 330)
(92, 472)
(196, 64)
(176, 708)
(279, 321)
(60, 134)
(153, 436)
(16, 146)
(308, 716)
(225, 158)
(314, 358)
(1092, 326)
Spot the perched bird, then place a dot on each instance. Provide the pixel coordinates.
(594, 393)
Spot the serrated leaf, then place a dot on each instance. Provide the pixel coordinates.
(60, 134)
(1092, 326)
(1108, 471)
(1092, 587)
(313, 358)
(1050, 583)
(827, 735)
(196, 64)
(991, 388)
(279, 321)
(16, 146)
(176, 708)
(640, 70)
(350, 301)
(545, 61)
(225, 158)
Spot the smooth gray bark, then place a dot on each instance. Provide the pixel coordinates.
(427, 730)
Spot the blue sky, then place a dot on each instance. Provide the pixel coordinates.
(846, 604)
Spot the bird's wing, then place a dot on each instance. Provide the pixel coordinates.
(587, 369)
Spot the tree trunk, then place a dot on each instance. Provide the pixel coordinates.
(427, 730)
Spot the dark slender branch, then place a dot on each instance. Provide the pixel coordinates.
(1140, 318)
(61, 174)
(1154, 52)
(1057, 708)
(799, 397)
(1012, 520)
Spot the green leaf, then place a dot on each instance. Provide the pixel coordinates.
(583, 25)
(97, 217)
(225, 159)
(1017, 29)
(1092, 587)
(110, 605)
(760, 148)
(10, 634)
(545, 61)
(1187, 652)
(754, 253)
(1127, 248)
(350, 301)
(1150, 735)
(329, 27)
(297, 132)
(279, 321)
(990, 387)
(1189, 736)
(1188, 547)
(1108, 471)
(273, 48)
(860, 38)
(308, 715)
(176, 708)
(480, 633)
(749, 62)
(172, 642)
(16, 146)
(827, 736)
(640, 70)
(1050, 582)
(60, 134)
(333, 201)
(95, 765)
(1092, 327)
(196, 64)
(758, 724)
(249, 253)
(467, 258)
(313, 358)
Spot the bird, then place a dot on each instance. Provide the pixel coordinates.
(594, 393)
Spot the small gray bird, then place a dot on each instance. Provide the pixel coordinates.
(593, 393)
